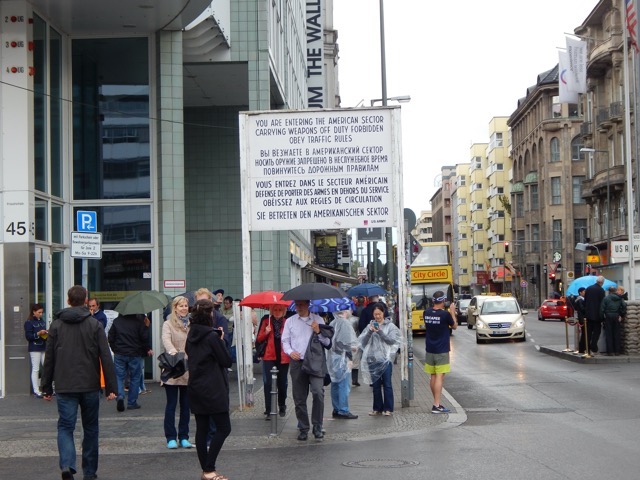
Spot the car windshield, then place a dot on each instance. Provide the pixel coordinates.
(554, 304)
(499, 307)
(464, 303)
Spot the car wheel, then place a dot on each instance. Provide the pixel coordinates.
(541, 318)
(478, 341)
(524, 337)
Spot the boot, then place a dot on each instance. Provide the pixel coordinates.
(354, 377)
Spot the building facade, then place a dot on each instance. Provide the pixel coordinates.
(131, 112)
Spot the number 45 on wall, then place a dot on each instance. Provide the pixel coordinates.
(17, 228)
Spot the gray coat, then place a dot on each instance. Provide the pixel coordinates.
(315, 362)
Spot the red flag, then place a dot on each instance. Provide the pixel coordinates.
(632, 23)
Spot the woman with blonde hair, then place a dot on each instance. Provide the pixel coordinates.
(174, 337)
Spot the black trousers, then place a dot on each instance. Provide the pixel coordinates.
(209, 456)
(282, 383)
(612, 329)
(594, 327)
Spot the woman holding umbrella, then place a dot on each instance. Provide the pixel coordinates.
(274, 356)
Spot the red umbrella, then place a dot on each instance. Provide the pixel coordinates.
(264, 300)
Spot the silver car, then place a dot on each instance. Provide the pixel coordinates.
(500, 318)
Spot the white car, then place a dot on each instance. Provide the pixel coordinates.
(500, 318)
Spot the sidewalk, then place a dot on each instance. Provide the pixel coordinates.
(28, 425)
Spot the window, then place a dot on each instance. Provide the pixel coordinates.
(576, 145)
(499, 166)
(462, 181)
(556, 107)
(463, 236)
(533, 193)
(556, 193)
(555, 150)
(557, 235)
(535, 236)
(478, 246)
(577, 189)
(111, 145)
(519, 205)
(580, 230)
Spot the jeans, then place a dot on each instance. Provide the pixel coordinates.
(68, 403)
(340, 395)
(282, 383)
(37, 360)
(382, 388)
(173, 392)
(132, 365)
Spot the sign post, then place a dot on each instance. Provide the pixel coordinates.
(86, 242)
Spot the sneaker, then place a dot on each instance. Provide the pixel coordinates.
(283, 411)
(38, 395)
(171, 444)
(346, 416)
(184, 443)
(90, 477)
(302, 436)
(439, 409)
(387, 413)
(145, 392)
(135, 406)
(375, 413)
(318, 433)
(120, 405)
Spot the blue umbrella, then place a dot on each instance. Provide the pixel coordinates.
(366, 290)
(585, 282)
(328, 305)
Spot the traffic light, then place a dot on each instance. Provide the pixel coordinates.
(552, 277)
(506, 247)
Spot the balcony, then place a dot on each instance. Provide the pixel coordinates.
(602, 118)
(616, 111)
(586, 129)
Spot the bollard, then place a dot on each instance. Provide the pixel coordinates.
(566, 334)
(576, 336)
(274, 402)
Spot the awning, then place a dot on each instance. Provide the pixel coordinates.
(337, 275)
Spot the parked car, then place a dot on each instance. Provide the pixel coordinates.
(500, 318)
(461, 310)
(474, 305)
(554, 308)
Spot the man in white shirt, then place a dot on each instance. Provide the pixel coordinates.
(296, 335)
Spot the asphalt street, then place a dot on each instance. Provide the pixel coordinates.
(516, 413)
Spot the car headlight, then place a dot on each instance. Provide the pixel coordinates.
(480, 324)
(519, 323)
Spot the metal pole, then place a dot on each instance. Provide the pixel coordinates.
(628, 164)
(273, 414)
(566, 334)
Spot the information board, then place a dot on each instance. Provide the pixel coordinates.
(321, 169)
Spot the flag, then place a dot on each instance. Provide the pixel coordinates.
(632, 23)
(577, 56)
(566, 84)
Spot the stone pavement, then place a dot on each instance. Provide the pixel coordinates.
(28, 425)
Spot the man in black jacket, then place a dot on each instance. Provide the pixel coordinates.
(593, 297)
(578, 305)
(129, 340)
(76, 349)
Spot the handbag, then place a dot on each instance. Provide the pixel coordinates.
(261, 347)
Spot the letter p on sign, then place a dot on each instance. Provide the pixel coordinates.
(86, 221)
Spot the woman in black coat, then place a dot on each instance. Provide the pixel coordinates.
(208, 386)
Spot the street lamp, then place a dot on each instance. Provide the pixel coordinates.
(399, 99)
(591, 151)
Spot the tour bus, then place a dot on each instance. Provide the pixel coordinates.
(430, 271)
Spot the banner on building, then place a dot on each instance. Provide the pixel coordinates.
(315, 55)
(567, 90)
(577, 63)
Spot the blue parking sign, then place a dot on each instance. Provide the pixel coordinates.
(86, 221)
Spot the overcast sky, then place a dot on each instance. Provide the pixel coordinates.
(462, 62)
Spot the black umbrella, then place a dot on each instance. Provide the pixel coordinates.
(313, 291)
